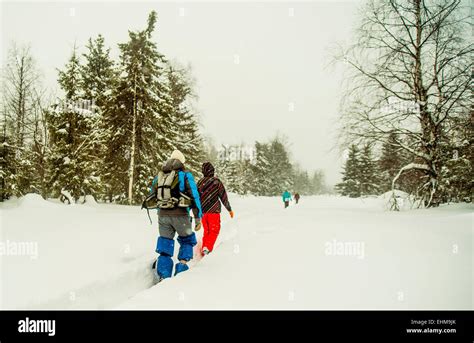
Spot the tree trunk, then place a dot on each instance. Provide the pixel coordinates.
(428, 126)
(132, 152)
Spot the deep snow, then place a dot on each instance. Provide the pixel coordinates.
(328, 252)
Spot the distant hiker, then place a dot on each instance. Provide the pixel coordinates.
(286, 198)
(297, 197)
(174, 193)
(212, 193)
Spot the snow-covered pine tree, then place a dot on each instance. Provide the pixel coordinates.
(98, 79)
(220, 166)
(261, 179)
(298, 182)
(229, 169)
(234, 176)
(306, 183)
(211, 153)
(73, 137)
(141, 135)
(350, 185)
(457, 182)
(281, 169)
(301, 182)
(62, 119)
(318, 185)
(390, 162)
(247, 176)
(98, 74)
(368, 172)
(7, 163)
(236, 169)
(185, 126)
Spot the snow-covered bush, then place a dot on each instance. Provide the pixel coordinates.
(396, 200)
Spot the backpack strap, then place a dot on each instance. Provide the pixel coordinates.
(182, 185)
(187, 176)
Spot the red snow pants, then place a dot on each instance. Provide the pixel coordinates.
(211, 224)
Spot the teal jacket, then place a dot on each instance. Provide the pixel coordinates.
(286, 196)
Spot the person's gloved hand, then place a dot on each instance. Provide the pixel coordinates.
(231, 214)
(197, 227)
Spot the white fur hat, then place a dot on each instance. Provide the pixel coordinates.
(178, 155)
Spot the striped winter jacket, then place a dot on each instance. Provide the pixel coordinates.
(211, 190)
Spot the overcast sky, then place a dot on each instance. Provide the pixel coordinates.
(261, 68)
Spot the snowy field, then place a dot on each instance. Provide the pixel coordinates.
(327, 252)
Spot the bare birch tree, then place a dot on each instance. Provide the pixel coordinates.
(24, 126)
(411, 71)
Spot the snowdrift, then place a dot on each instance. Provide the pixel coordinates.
(327, 252)
(396, 199)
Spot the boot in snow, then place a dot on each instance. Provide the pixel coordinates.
(180, 267)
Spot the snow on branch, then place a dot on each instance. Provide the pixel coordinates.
(409, 166)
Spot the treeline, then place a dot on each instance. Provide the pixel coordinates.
(109, 132)
(264, 169)
(365, 174)
(113, 126)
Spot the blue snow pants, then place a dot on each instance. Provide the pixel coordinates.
(168, 227)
